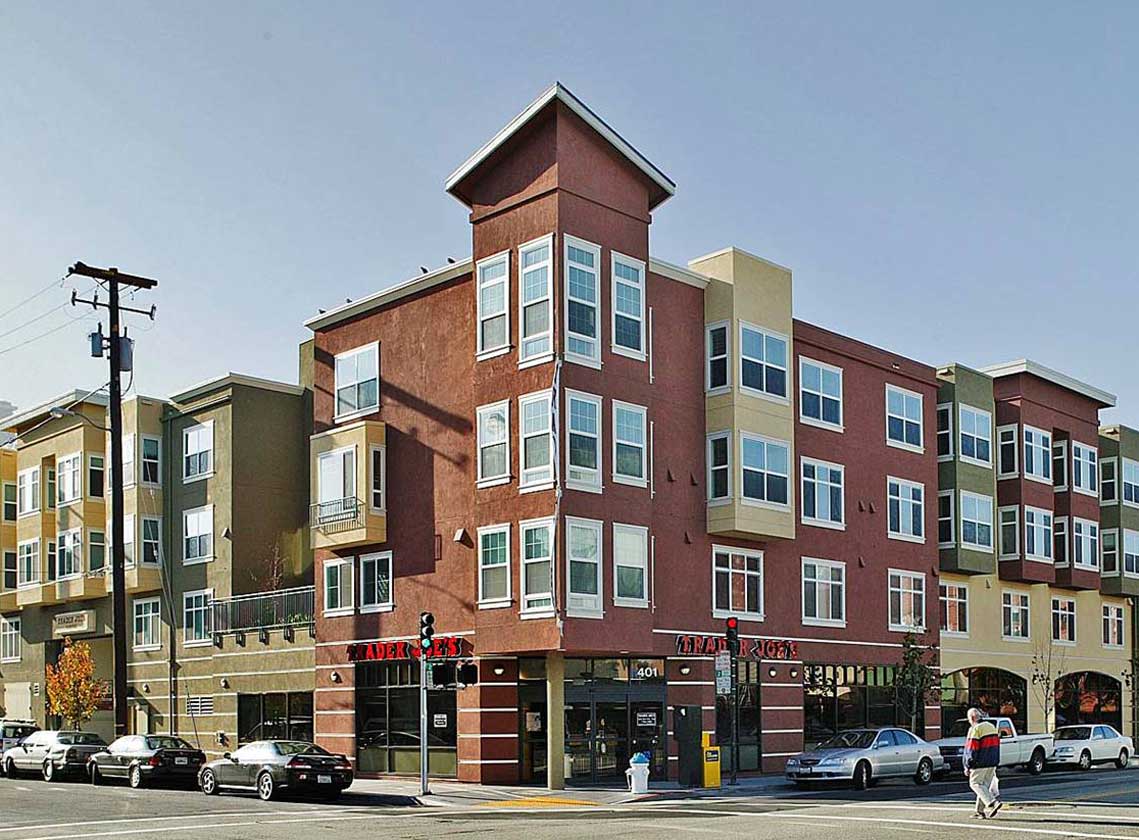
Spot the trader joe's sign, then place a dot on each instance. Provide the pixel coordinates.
(445, 647)
(688, 644)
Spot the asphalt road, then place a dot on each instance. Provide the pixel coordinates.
(1101, 804)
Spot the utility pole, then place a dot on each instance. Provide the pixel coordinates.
(113, 278)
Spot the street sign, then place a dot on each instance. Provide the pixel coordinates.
(724, 672)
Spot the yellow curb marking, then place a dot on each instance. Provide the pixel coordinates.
(540, 801)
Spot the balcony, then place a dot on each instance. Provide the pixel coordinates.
(349, 482)
(283, 609)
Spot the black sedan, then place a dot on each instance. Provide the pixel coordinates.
(271, 767)
(141, 759)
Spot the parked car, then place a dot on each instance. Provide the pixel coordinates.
(863, 756)
(12, 731)
(1028, 751)
(141, 759)
(53, 753)
(1091, 744)
(271, 767)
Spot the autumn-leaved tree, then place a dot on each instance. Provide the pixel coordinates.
(73, 693)
(914, 678)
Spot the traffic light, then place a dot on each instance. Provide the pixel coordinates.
(426, 630)
(468, 673)
(732, 632)
(442, 674)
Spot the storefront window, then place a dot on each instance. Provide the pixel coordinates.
(274, 716)
(387, 721)
(748, 730)
(993, 691)
(1088, 697)
(838, 697)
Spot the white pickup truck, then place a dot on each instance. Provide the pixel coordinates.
(1028, 751)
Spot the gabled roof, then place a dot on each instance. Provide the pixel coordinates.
(1104, 398)
(558, 91)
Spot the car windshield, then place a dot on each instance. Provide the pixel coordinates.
(165, 742)
(1074, 733)
(958, 729)
(300, 747)
(82, 739)
(855, 739)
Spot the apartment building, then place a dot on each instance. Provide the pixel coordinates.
(1036, 616)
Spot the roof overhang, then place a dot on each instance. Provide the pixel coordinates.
(230, 379)
(678, 273)
(557, 91)
(1104, 398)
(67, 400)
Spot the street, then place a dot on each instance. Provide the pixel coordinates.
(1099, 804)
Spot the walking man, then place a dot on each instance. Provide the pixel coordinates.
(981, 757)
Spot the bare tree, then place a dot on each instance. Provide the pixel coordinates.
(1047, 667)
(270, 576)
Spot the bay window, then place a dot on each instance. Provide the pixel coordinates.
(628, 306)
(764, 470)
(536, 447)
(536, 543)
(763, 362)
(583, 433)
(584, 561)
(535, 260)
(494, 290)
(583, 301)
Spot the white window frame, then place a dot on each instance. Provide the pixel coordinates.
(340, 564)
(129, 541)
(765, 333)
(142, 541)
(142, 460)
(152, 615)
(983, 503)
(1041, 443)
(375, 449)
(208, 428)
(1085, 469)
(14, 501)
(766, 441)
(11, 649)
(978, 413)
(1124, 553)
(1114, 620)
(961, 598)
(1060, 534)
(1060, 454)
(481, 413)
(711, 468)
(1015, 511)
(639, 267)
(70, 543)
(1085, 541)
(502, 258)
(1114, 481)
(359, 411)
(1063, 608)
(840, 524)
(709, 389)
(484, 602)
(1124, 465)
(531, 607)
(380, 560)
(536, 357)
(952, 541)
(28, 503)
(69, 479)
(904, 575)
(1042, 526)
(593, 359)
(1002, 431)
(130, 460)
(643, 532)
(903, 444)
(1116, 553)
(822, 395)
(904, 502)
(623, 478)
(747, 554)
(204, 558)
(342, 508)
(91, 543)
(102, 469)
(589, 480)
(544, 480)
(1022, 606)
(206, 639)
(820, 587)
(946, 410)
(28, 557)
(584, 604)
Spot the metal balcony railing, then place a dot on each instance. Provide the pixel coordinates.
(264, 610)
(337, 514)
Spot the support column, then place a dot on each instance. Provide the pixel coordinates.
(555, 721)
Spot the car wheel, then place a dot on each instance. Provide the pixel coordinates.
(924, 775)
(96, 776)
(862, 778)
(209, 783)
(49, 771)
(1085, 762)
(266, 787)
(1121, 762)
(134, 779)
(10, 769)
(1036, 763)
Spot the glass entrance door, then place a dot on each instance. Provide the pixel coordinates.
(611, 741)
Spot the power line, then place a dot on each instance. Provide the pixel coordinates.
(40, 317)
(33, 296)
(52, 331)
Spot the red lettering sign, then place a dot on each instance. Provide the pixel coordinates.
(444, 647)
(695, 645)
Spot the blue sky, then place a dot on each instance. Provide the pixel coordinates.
(951, 181)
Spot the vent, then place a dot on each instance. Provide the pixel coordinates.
(200, 706)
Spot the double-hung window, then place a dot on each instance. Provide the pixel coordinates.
(358, 381)
(976, 432)
(535, 260)
(1109, 552)
(630, 435)
(28, 491)
(338, 586)
(764, 470)
(738, 583)
(128, 539)
(198, 535)
(11, 506)
(11, 579)
(820, 394)
(376, 581)
(494, 290)
(1130, 470)
(1060, 540)
(1037, 455)
(197, 624)
(1113, 632)
(822, 495)
(583, 573)
(151, 449)
(907, 600)
(1014, 615)
(336, 486)
(68, 478)
(1010, 532)
(147, 624)
(1085, 471)
(1006, 451)
(1108, 481)
(9, 638)
(69, 554)
(1037, 534)
(95, 476)
(536, 544)
(378, 478)
(1060, 465)
(28, 554)
(583, 301)
(904, 422)
(583, 440)
(763, 362)
(151, 535)
(630, 565)
(976, 521)
(494, 566)
(824, 592)
(954, 609)
(129, 444)
(717, 349)
(719, 466)
(535, 451)
(494, 443)
(946, 537)
(1130, 552)
(905, 510)
(945, 432)
(96, 550)
(198, 451)
(628, 306)
(1064, 621)
(1085, 543)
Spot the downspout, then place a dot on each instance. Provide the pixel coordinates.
(166, 573)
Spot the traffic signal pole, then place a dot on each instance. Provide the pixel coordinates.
(426, 631)
(732, 632)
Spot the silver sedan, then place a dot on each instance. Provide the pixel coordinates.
(862, 756)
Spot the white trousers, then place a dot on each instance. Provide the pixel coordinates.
(984, 783)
